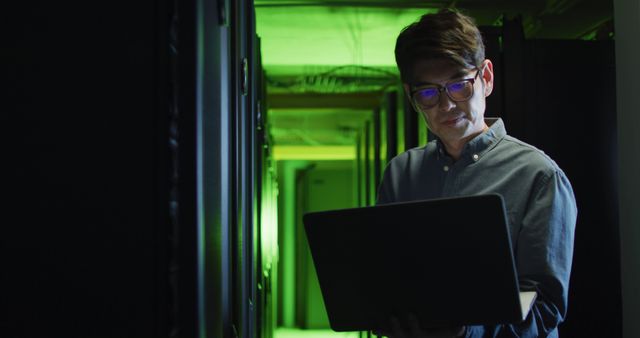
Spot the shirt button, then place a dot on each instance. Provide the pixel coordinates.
(446, 168)
(475, 157)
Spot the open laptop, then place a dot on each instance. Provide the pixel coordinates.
(447, 261)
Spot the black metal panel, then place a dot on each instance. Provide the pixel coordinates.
(571, 115)
(83, 239)
(252, 270)
(391, 105)
(214, 170)
(243, 30)
(559, 95)
(136, 170)
(367, 162)
(411, 120)
(377, 148)
(185, 235)
(360, 168)
(492, 36)
(513, 91)
(237, 107)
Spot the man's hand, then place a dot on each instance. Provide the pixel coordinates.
(412, 329)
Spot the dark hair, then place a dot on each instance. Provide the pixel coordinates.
(443, 35)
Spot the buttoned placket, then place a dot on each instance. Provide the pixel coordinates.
(452, 172)
(449, 169)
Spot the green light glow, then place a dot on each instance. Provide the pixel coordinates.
(297, 333)
(295, 36)
(287, 241)
(314, 152)
(269, 240)
(269, 216)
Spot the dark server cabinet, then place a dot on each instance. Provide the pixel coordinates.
(85, 237)
(230, 141)
(559, 95)
(206, 178)
(244, 227)
(134, 170)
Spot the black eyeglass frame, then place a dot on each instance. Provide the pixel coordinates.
(445, 89)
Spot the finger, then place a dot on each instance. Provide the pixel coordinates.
(398, 331)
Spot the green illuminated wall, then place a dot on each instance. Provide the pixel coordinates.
(326, 186)
(306, 186)
(286, 298)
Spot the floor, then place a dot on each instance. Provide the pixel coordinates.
(297, 333)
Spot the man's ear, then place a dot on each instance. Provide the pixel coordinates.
(487, 77)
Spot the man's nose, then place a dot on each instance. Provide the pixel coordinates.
(445, 103)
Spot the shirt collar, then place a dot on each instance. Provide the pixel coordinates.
(481, 144)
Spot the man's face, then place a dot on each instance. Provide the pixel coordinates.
(453, 121)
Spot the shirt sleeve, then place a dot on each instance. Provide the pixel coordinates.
(543, 254)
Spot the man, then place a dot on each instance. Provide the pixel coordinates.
(447, 79)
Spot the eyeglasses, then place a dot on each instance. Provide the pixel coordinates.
(428, 96)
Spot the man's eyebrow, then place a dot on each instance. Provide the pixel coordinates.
(423, 84)
(459, 74)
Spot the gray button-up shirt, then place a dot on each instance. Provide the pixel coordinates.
(540, 206)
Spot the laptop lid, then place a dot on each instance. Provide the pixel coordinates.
(447, 261)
